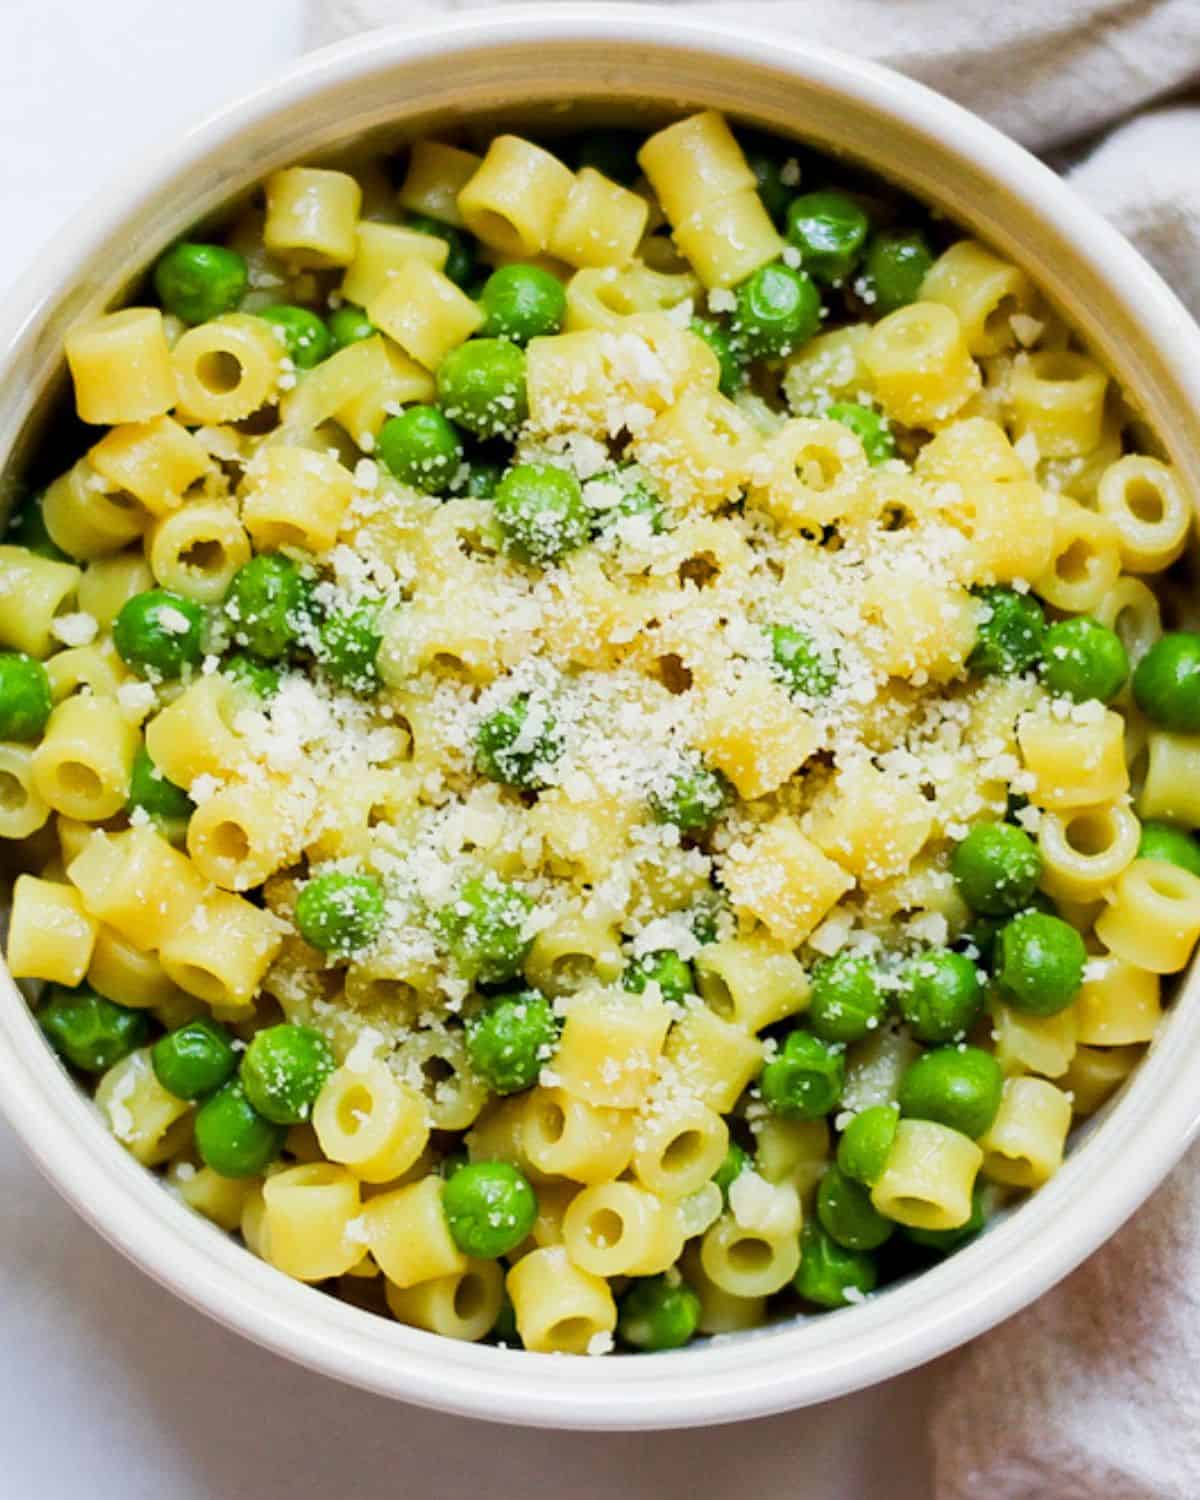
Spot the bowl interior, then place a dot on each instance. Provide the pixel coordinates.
(585, 65)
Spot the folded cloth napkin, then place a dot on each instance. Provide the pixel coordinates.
(1095, 1390)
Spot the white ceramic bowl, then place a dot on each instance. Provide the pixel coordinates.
(610, 60)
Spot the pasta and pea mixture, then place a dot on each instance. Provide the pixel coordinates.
(575, 734)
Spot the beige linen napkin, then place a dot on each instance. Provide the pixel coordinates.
(1093, 1393)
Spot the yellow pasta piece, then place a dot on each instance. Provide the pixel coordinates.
(195, 734)
(1083, 851)
(296, 498)
(608, 1052)
(149, 1122)
(560, 1308)
(108, 583)
(921, 369)
(22, 809)
(620, 1229)
(599, 224)
(1171, 788)
(381, 250)
(757, 736)
(156, 462)
(983, 291)
(33, 590)
(1145, 503)
(1058, 398)
(513, 200)
(81, 768)
(1027, 1043)
(307, 1215)
(714, 1060)
(872, 824)
(224, 974)
(1085, 559)
(226, 369)
(370, 1121)
(463, 1305)
(1153, 917)
(751, 982)
(312, 215)
(408, 1237)
(781, 877)
(424, 312)
(1023, 1146)
(138, 884)
(929, 1175)
(1096, 1073)
(1117, 1006)
(1075, 763)
(811, 472)
(436, 174)
(121, 367)
(50, 935)
(563, 1135)
(84, 520)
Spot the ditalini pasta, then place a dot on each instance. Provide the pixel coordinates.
(592, 754)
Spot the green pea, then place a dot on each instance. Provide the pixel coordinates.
(869, 426)
(637, 499)
(460, 258)
(420, 447)
(691, 798)
(1040, 963)
(262, 680)
(954, 1086)
(304, 335)
(522, 302)
(828, 1272)
(708, 916)
(268, 605)
(829, 229)
(895, 265)
(1083, 659)
(805, 1078)
(27, 529)
(284, 1069)
(159, 633)
(348, 643)
(946, 1241)
(735, 1163)
(341, 914)
(1166, 683)
(1010, 635)
(611, 152)
(846, 1002)
(997, 867)
(483, 928)
(348, 324)
(866, 1143)
(197, 282)
(800, 664)
(517, 745)
(665, 968)
(658, 1312)
(777, 311)
(541, 513)
(25, 699)
(232, 1137)
(733, 374)
(764, 160)
(490, 1208)
(1174, 845)
(195, 1059)
(150, 790)
(483, 475)
(940, 995)
(481, 387)
(90, 1032)
(510, 1042)
(847, 1215)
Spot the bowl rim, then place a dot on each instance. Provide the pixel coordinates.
(785, 1365)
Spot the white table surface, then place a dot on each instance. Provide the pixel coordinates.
(112, 1389)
